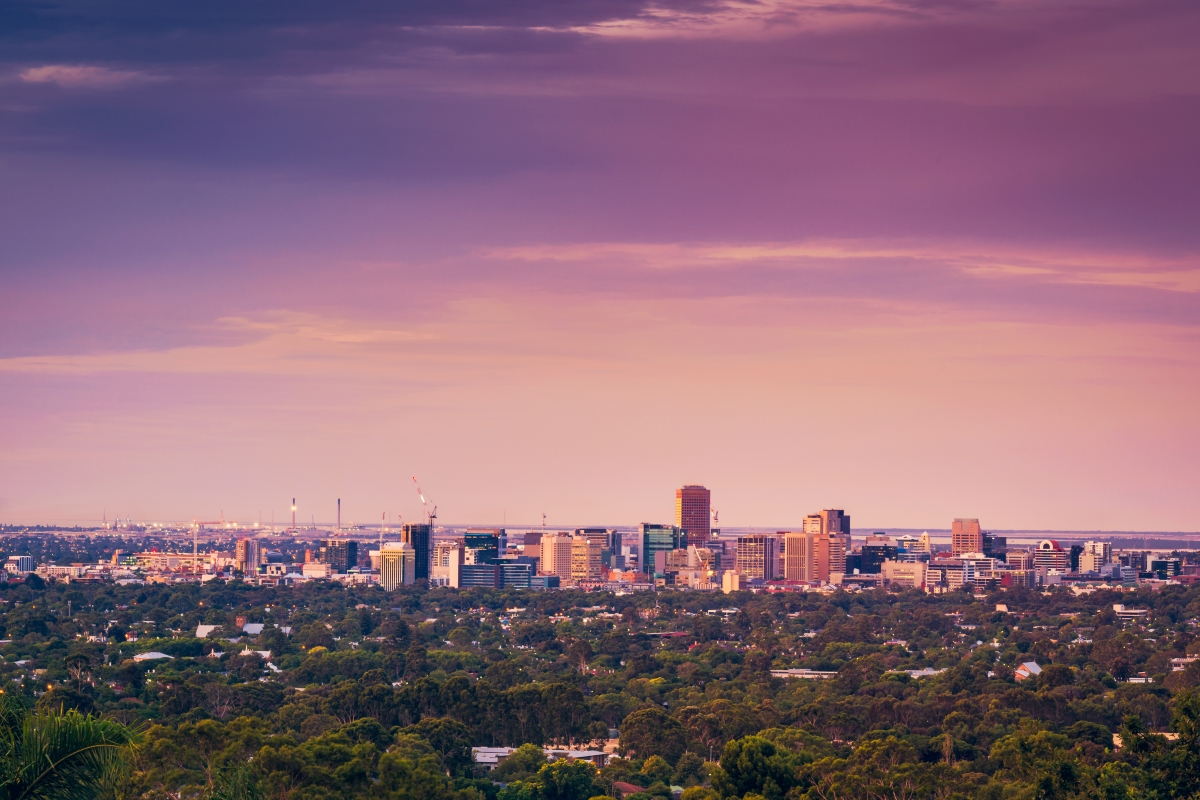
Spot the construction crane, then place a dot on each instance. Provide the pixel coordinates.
(431, 515)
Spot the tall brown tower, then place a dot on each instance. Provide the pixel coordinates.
(966, 537)
(692, 510)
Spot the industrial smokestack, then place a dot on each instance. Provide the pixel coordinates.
(339, 524)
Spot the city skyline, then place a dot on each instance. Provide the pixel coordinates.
(915, 261)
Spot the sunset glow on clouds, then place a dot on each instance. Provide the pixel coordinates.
(914, 260)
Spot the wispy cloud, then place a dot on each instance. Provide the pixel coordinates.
(1178, 274)
(80, 76)
(280, 343)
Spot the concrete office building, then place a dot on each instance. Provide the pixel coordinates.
(448, 558)
(1020, 560)
(908, 574)
(586, 560)
(693, 511)
(604, 539)
(19, 565)
(965, 537)
(339, 554)
(245, 556)
(1050, 555)
(496, 575)
(798, 560)
(531, 544)
(757, 556)
(397, 565)
(1094, 556)
(829, 533)
(556, 556)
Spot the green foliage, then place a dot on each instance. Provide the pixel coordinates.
(754, 764)
(450, 740)
(60, 755)
(371, 700)
(690, 770)
(559, 780)
(521, 764)
(649, 732)
(237, 782)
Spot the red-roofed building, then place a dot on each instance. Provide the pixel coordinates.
(1050, 555)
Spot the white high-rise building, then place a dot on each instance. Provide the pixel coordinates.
(397, 565)
(444, 569)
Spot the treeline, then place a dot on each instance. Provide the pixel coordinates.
(370, 694)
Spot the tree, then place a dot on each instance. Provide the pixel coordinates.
(451, 741)
(689, 770)
(415, 662)
(567, 780)
(1169, 769)
(66, 698)
(755, 765)
(649, 731)
(410, 771)
(521, 764)
(656, 769)
(238, 782)
(578, 655)
(60, 755)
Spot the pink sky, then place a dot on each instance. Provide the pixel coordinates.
(916, 261)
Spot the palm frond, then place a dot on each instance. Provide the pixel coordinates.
(67, 756)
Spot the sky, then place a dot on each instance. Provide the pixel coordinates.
(915, 260)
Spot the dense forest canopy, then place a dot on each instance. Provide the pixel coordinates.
(351, 692)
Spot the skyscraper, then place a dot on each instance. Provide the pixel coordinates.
(756, 556)
(829, 542)
(419, 535)
(876, 550)
(798, 561)
(835, 521)
(585, 559)
(484, 545)
(966, 537)
(245, 556)
(339, 554)
(1050, 555)
(556, 556)
(397, 565)
(692, 512)
(1094, 556)
(659, 539)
